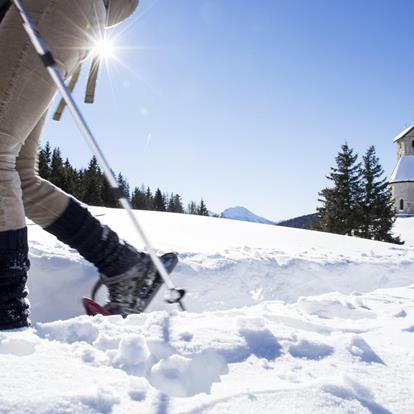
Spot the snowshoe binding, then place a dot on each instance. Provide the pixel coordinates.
(132, 291)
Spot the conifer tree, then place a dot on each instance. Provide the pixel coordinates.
(71, 179)
(341, 204)
(124, 186)
(138, 199)
(192, 207)
(178, 205)
(57, 171)
(107, 194)
(92, 184)
(149, 199)
(170, 203)
(377, 204)
(159, 201)
(202, 209)
(45, 156)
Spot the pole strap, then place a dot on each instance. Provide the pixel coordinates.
(62, 104)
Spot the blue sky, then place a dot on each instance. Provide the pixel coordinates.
(247, 102)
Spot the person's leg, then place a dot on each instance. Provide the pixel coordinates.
(26, 91)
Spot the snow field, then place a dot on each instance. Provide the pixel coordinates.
(272, 355)
(281, 320)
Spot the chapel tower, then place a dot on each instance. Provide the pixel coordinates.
(402, 178)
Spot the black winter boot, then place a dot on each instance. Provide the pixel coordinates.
(97, 243)
(123, 270)
(14, 265)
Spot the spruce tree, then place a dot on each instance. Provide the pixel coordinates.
(377, 205)
(341, 204)
(107, 194)
(138, 200)
(92, 184)
(178, 205)
(149, 200)
(44, 159)
(202, 209)
(57, 171)
(71, 179)
(192, 207)
(159, 201)
(124, 186)
(170, 203)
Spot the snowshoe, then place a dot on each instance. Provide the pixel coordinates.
(132, 291)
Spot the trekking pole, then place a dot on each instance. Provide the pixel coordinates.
(176, 295)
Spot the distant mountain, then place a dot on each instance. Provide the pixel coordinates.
(302, 222)
(243, 214)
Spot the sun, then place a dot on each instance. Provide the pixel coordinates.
(104, 48)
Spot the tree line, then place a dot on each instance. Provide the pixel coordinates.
(359, 202)
(90, 186)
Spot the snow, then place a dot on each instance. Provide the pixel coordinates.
(404, 170)
(404, 133)
(280, 320)
(243, 214)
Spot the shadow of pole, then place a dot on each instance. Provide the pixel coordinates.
(163, 404)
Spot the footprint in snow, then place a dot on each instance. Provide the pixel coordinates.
(409, 329)
(359, 348)
(261, 342)
(179, 376)
(16, 346)
(401, 314)
(310, 350)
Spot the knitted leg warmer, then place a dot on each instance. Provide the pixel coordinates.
(14, 265)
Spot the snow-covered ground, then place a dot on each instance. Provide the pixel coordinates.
(280, 321)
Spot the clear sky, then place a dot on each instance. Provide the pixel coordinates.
(248, 102)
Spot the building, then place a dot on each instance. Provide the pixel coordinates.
(402, 178)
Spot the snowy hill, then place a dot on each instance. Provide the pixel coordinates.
(243, 214)
(404, 227)
(280, 320)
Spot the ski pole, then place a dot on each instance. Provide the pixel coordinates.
(176, 295)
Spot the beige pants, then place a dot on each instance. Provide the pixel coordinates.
(26, 91)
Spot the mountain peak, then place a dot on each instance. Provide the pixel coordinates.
(243, 214)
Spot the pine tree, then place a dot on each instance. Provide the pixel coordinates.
(377, 207)
(44, 159)
(341, 210)
(57, 171)
(192, 207)
(92, 184)
(71, 179)
(170, 203)
(178, 205)
(202, 209)
(138, 199)
(159, 201)
(107, 194)
(149, 200)
(124, 186)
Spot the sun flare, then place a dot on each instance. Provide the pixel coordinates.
(104, 48)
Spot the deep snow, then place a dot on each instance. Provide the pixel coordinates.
(281, 321)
